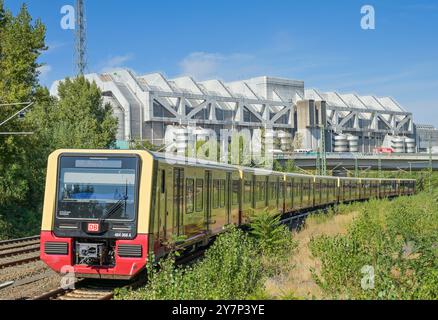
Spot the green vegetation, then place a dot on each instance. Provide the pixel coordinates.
(77, 119)
(234, 267)
(389, 251)
(394, 240)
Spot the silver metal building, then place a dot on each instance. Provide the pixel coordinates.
(147, 106)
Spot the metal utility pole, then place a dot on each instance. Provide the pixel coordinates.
(379, 164)
(323, 153)
(80, 38)
(356, 167)
(321, 158)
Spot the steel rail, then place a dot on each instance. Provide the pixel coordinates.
(12, 241)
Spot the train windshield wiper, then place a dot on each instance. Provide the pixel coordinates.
(116, 206)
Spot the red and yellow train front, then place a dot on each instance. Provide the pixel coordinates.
(94, 222)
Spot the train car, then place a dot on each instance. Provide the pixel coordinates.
(106, 211)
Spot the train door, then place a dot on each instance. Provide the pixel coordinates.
(254, 191)
(292, 193)
(208, 183)
(162, 207)
(178, 200)
(228, 197)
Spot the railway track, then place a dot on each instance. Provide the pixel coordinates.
(84, 290)
(90, 289)
(20, 241)
(19, 251)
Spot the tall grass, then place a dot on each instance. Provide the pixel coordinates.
(389, 252)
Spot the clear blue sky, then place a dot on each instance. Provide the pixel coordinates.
(320, 42)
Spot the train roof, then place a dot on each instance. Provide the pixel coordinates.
(174, 159)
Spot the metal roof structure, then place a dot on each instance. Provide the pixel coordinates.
(261, 102)
(377, 113)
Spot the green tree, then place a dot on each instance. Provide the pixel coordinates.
(21, 43)
(144, 144)
(78, 119)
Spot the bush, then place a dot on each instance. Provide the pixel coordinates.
(230, 270)
(271, 236)
(274, 241)
(3, 229)
(397, 241)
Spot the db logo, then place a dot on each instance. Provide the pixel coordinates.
(93, 227)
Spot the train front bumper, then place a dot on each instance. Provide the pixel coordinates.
(58, 254)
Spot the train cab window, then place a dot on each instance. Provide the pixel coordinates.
(235, 192)
(222, 193)
(89, 188)
(190, 195)
(199, 203)
(216, 194)
(247, 192)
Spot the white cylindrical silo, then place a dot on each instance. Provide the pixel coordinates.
(353, 143)
(269, 140)
(340, 143)
(285, 140)
(410, 145)
(398, 144)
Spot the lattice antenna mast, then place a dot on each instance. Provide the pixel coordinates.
(80, 38)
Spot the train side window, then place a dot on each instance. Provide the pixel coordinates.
(163, 181)
(258, 191)
(235, 195)
(273, 191)
(222, 193)
(281, 190)
(247, 192)
(190, 195)
(261, 191)
(199, 203)
(216, 194)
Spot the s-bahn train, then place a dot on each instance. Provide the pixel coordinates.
(105, 211)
